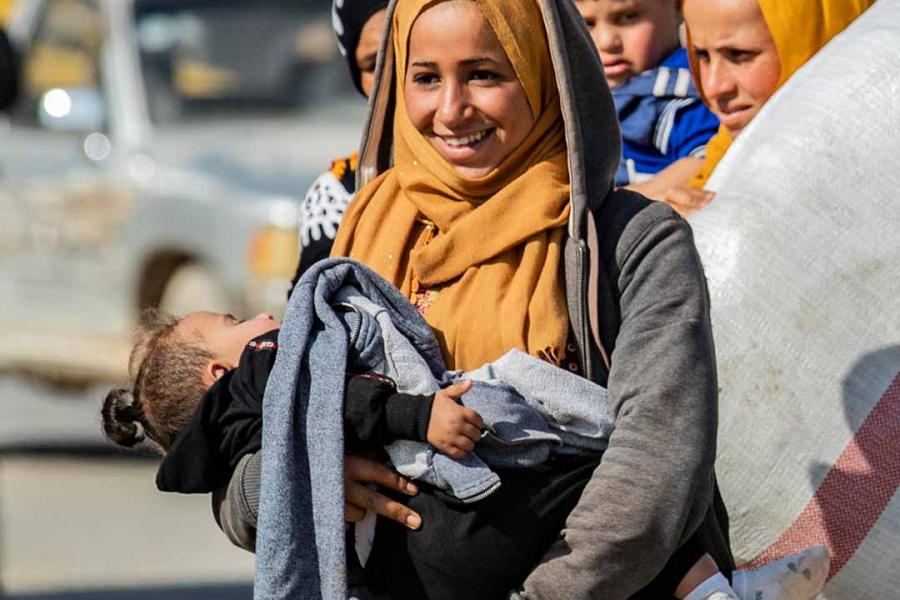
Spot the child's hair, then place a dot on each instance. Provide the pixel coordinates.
(166, 368)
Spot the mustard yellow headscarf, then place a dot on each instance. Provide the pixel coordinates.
(481, 257)
(800, 28)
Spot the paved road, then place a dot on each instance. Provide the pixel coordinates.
(188, 592)
(34, 413)
(76, 525)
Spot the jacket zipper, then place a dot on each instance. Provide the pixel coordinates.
(482, 495)
(580, 313)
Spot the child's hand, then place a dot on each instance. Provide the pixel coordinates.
(453, 428)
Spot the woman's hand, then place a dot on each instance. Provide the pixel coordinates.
(453, 428)
(359, 498)
(686, 201)
(671, 185)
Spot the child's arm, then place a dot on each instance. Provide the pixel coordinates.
(376, 415)
(671, 186)
(454, 429)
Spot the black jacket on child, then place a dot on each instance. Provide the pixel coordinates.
(227, 424)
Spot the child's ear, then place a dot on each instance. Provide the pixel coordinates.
(214, 371)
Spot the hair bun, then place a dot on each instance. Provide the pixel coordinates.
(122, 418)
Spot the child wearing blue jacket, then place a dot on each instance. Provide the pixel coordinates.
(665, 125)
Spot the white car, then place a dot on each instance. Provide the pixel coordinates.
(156, 156)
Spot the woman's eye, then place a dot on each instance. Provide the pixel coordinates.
(482, 75)
(738, 56)
(425, 79)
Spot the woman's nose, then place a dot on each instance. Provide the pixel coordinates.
(718, 84)
(453, 105)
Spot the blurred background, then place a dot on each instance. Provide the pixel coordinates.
(152, 153)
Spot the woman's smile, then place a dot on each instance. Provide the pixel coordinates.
(461, 148)
(461, 92)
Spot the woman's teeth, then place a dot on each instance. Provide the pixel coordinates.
(457, 142)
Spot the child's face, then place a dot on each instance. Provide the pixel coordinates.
(736, 55)
(631, 36)
(225, 337)
(367, 49)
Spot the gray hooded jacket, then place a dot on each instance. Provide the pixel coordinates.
(639, 313)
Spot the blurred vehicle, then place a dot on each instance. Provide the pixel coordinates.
(5, 10)
(155, 156)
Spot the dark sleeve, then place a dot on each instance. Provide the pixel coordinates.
(376, 415)
(654, 484)
(236, 504)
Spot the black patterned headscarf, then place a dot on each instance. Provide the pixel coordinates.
(348, 18)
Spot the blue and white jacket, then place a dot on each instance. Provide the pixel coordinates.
(662, 119)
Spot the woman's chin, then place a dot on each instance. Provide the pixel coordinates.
(472, 172)
(471, 166)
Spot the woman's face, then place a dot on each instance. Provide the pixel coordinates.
(737, 57)
(367, 49)
(461, 91)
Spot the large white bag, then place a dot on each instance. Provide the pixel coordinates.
(802, 250)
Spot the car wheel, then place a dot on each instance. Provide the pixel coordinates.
(193, 287)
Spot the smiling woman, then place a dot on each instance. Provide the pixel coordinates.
(479, 142)
(483, 220)
(467, 102)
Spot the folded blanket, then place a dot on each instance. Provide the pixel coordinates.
(344, 316)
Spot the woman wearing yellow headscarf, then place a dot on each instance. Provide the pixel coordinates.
(488, 167)
(444, 234)
(488, 170)
(742, 51)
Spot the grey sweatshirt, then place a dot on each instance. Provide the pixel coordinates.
(639, 312)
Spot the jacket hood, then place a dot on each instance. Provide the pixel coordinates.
(591, 127)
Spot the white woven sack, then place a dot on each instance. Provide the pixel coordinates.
(802, 250)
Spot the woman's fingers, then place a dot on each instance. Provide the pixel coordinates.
(353, 513)
(359, 497)
(363, 469)
(687, 200)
